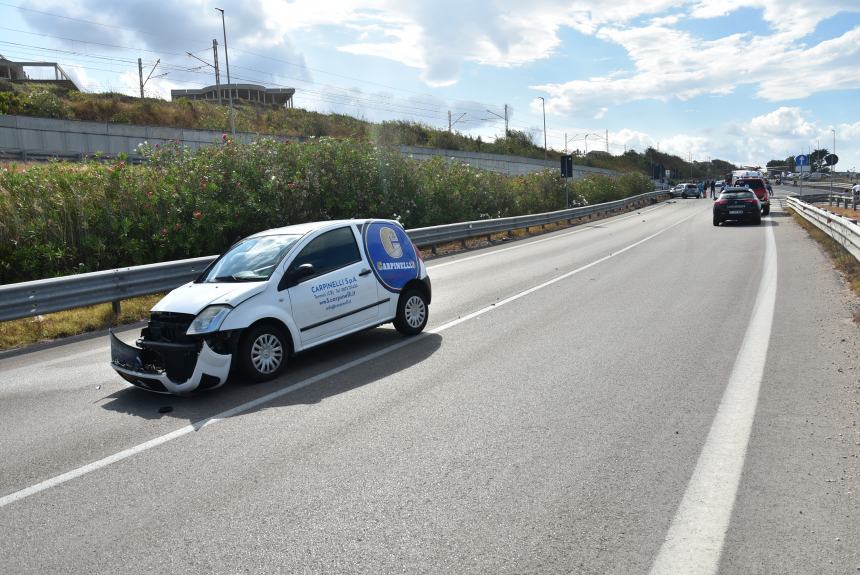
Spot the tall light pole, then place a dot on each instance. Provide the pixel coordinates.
(543, 107)
(229, 84)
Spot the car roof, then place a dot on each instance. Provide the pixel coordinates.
(307, 227)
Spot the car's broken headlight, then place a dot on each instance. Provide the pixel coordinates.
(209, 320)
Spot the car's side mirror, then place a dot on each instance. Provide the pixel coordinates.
(294, 276)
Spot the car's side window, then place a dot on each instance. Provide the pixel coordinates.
(329, 251)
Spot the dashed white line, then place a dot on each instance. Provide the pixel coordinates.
(540, 241)
(104, 462)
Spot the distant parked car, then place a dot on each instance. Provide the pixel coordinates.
(689, 190)
(739, 204)
(759, 186)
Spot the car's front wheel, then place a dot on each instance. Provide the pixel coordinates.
(263, 352)
(412, 312)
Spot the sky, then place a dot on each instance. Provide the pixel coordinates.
(745, 81)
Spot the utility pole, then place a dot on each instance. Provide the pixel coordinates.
(451, 124)
(607, 140)
(217, 75)
(217, 72)
(543, 107)
(229, 84)
(505, 118)
(140, 74)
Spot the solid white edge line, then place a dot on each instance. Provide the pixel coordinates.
(104, 462)
(694, 542)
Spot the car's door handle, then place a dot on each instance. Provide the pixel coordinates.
(363, 272)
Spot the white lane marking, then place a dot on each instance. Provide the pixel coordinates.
(694, 542)
(579, 230)
(431, 267)
(69, 475)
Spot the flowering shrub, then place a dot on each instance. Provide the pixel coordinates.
(62, 218)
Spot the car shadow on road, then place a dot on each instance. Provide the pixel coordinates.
(200, 406)
(766, 221)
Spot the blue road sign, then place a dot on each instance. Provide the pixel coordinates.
(801, 160)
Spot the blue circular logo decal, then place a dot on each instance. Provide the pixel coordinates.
(391, 254)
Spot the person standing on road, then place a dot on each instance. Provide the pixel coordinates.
(701, 189)
(713, 189)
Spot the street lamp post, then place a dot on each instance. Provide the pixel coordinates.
(543, 108)
(229, 84)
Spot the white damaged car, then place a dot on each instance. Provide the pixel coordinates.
(273, 294)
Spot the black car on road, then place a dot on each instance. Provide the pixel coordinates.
(739, 204)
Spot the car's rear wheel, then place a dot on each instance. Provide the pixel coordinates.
(757, 221)
(684, 196)
(412, 312)
(263, 352)
(716, 221)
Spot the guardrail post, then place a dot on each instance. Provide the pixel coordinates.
(116, 307)
(830, 200)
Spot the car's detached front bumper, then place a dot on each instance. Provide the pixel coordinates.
(131, 363)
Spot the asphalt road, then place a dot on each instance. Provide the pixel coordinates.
(645, 394)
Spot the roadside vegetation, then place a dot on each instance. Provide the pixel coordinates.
(842, 260)
(62, 218)
(53, 102)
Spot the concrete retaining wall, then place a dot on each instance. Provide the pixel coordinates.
(69, 138)
(23, 137)
(511, 165)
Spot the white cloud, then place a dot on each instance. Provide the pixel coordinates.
(784, 122)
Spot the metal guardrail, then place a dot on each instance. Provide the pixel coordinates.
(462, 231)
(845, 231)
(36, 297)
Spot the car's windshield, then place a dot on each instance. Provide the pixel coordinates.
(252, 260)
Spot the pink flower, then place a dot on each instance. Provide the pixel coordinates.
(197, 214)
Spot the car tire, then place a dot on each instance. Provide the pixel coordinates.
(757, 221)
(716, 221)
(263, 352)
(412, 312)
(765, 210)
(683, 196)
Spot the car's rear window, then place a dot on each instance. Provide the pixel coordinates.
(750, 183)
(736, 195)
